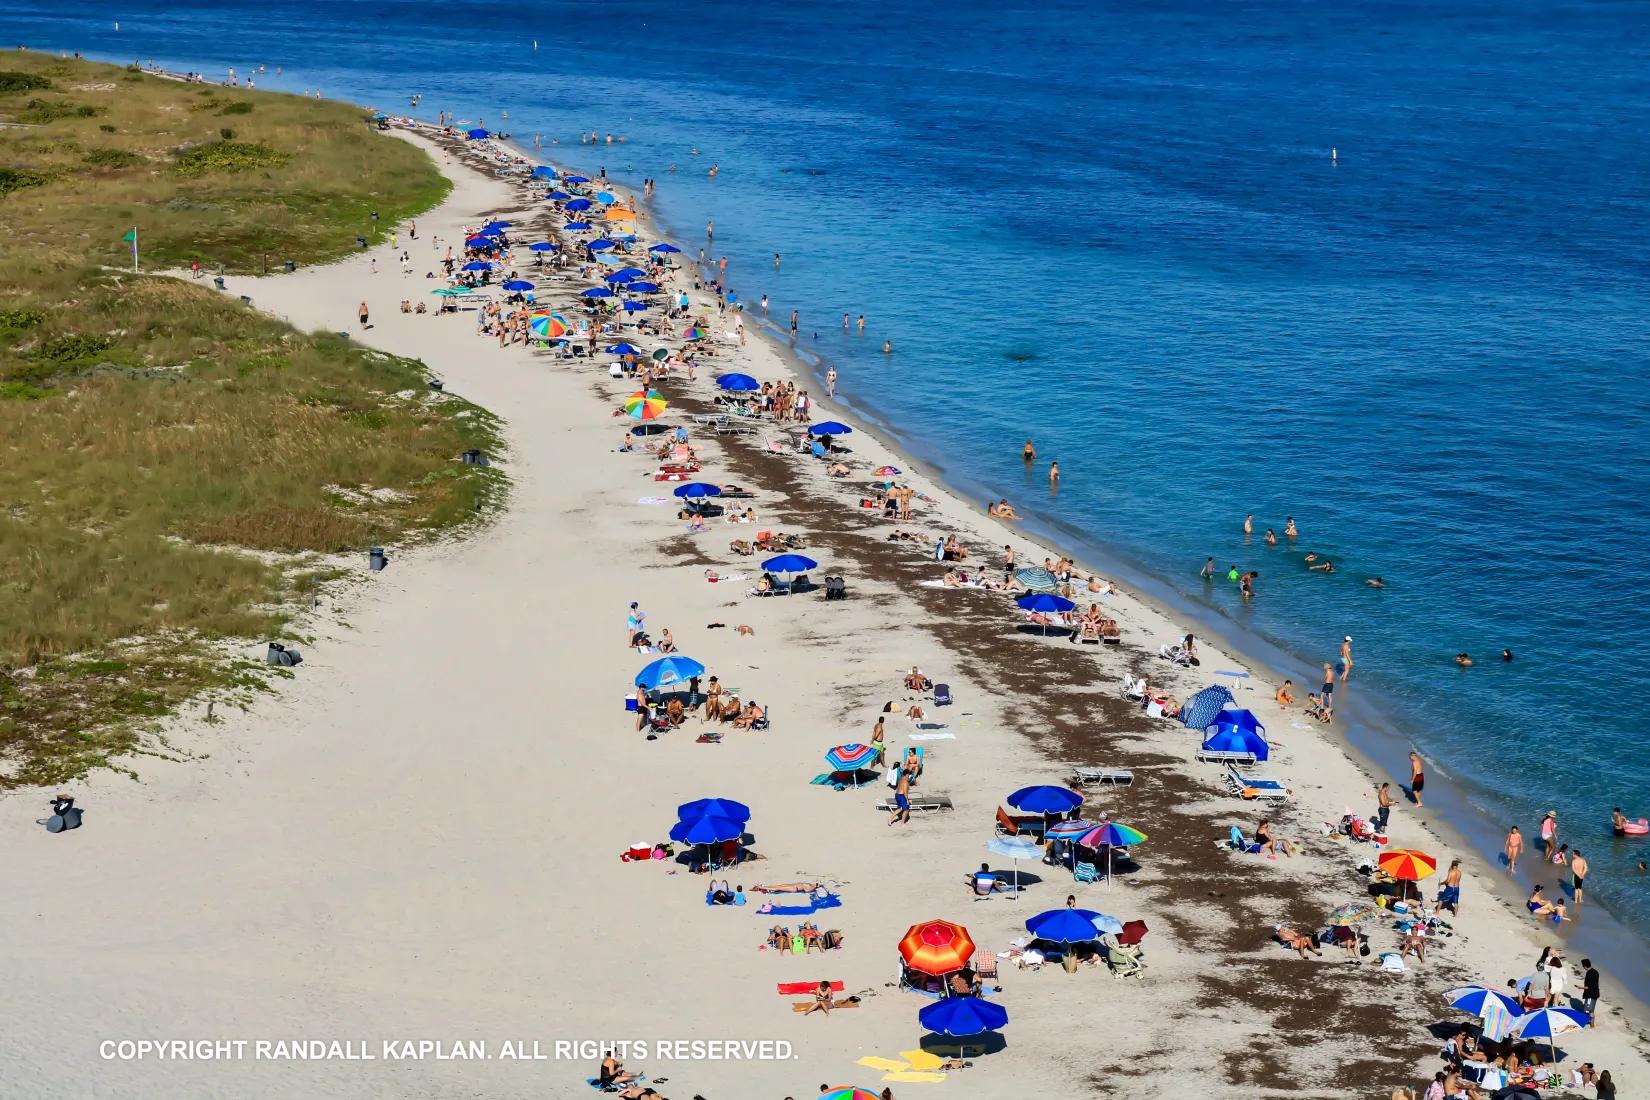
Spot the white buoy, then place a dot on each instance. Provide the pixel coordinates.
(117, 24)
(1334, 154)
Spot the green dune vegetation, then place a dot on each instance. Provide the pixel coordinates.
(176, 469)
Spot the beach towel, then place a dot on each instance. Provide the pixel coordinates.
(922, 1060)
(803, 1006)
(913, 1076)
(817, 904)
(653, 500)
(933, 737)
(791, 989)
(871, 1061)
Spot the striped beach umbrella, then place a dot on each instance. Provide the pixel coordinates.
(848, 1092)
(696, 332)
(1545, 1023)
(1069, 830)
(1111, 835)
(850, 758)
(1408, 865)
(1498, 1010)
(645, 406)
(936, 947)
(547, 324)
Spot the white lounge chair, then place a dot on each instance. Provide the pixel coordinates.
(1132, 688)
(1103, 777)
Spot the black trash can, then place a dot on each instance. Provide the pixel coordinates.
(291, 267)
(217, 281)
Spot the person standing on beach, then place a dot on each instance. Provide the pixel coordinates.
(1328, 686)
(1417, 777)
(1578, 873)
(1589, 988)
(1549, 834)
(1346, 657)
(793, 324)
(830, 382)
(722, 270)
(764, 305)
(1384, 804)
(363, 313)
(1513, 846)
(1449, 896)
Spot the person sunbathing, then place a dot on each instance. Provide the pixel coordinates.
(824, 1000)
(635, 1091)
(1302, 942)
(667, 644)
(836, 469)
(916, 681)
(779, 938)
(1110, 631)
(748, 717)
(810, 936)
(790, 888)
(965, 983)
(612, 1072)
(952, 579)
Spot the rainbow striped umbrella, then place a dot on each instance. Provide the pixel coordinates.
(548, 325)
(850, 758)
(697, 332)
(1407, 865)
(1111, 835)
(1066, 830)
(848, 1092)
(645, 406)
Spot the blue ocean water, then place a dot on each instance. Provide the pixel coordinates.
(1117, 229)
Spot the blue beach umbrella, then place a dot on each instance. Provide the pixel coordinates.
(1234, 739)
(617, 277)
(601, 246)
(1498, 1010)
(633, 307)
(1546, 1023)
(623, 348)
(1242, 719)
(698, 489)
(714, 807)
(576, 227)
(1101, 921)
(495, 225)
(575, 179)
(1045, 799)
(963, 1016)
(630, 272)
(544, 172)
(477, 265)
(640, 287)
(669, 670)
(1045, 602)
(579, 204)
(663, 246)
(541, 246)
(830, 427)
(707, 830)
(596, 292)
(558, 196)
(790, 563)
(604, 197)
(1064, 926)
(738, 382)
(518, 284)
(476, 135)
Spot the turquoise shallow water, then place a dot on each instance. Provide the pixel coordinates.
(1117, 229)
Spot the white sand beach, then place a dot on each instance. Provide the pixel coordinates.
(419, 837)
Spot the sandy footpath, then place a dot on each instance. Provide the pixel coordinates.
(419, 837)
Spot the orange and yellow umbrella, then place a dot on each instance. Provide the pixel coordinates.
(645, 406)
(936, 947)
(1408, 865)
(620, 214)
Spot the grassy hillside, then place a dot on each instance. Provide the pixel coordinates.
(173, 465)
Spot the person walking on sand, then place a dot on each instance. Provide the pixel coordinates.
(1513, 846)
(1578, 873)
(830, 382)
(902, 799)
(1328, 685)
(1346, 657)
(1417, 777)
(363, 312)
(1589, 989)
(1549, 834)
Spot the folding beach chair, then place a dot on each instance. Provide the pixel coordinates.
(1086, 872)
(1103, 777)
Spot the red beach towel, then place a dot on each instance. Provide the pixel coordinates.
(793, 988)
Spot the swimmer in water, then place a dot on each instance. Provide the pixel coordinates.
(1463, 660)
(1271, 537)
(1249, 525)
(1311, 555)
(1028, 453)
(1506, 655)
(1325, 566)
(1053, 475)
(887, 347)
(1375, 582)
(1289, 527)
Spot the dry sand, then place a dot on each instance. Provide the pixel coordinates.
(419, 838)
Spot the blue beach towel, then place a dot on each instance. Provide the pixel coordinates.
(830, 902)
